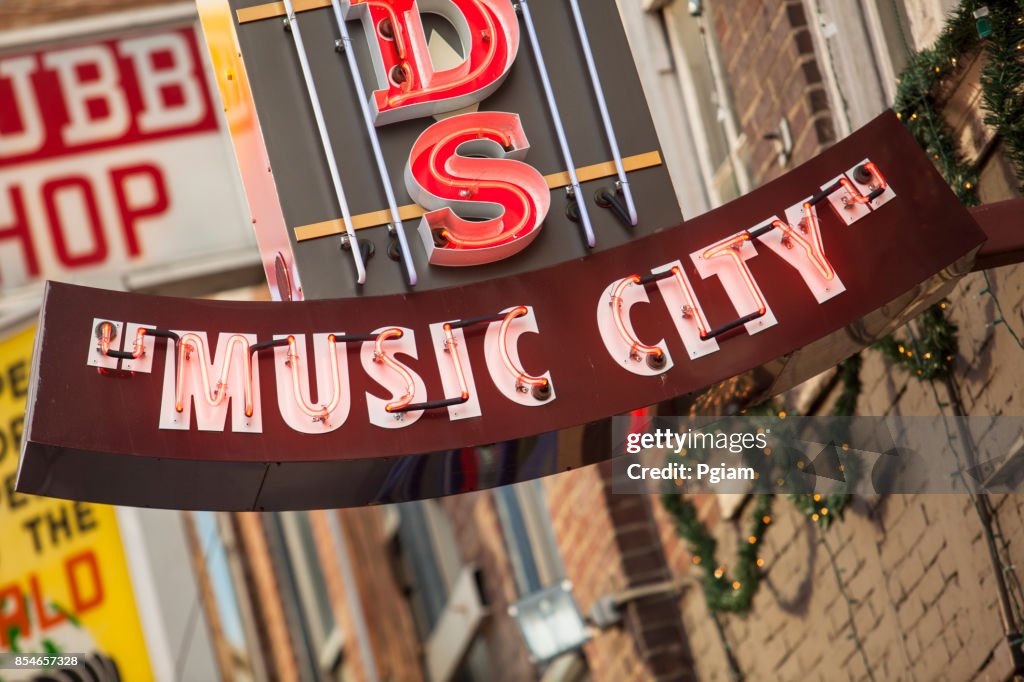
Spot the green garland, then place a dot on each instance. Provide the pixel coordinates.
(919, 86)
(1002, 79)
(922, 81)
(723, 592)
(932, 355)
(734, 593)
(823, 510)
(916, 105)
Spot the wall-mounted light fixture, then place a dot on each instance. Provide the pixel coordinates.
(551, 622)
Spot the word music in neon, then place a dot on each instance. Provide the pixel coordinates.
(212, 385)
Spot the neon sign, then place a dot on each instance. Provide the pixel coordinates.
(478, 200)
(410, 86)
(471, 165)
(190, 365)
(333, 402)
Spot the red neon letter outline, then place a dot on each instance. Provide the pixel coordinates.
(510, 197)
(380, 356)
(319, 414)
(450, 345)
(731, 248)
(812, 244)
(523, 379)
(214, 394)
(636, 348)
(410, 87)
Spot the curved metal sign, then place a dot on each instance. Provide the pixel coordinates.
(154, 401)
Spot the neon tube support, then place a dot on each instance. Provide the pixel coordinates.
(371, 131)
(325, 140)
(556, 117)
(602, 105)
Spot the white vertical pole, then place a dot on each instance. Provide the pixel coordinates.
(158, 642)
(602, 105)
(371, 130)
(325, 139)
(538, 55)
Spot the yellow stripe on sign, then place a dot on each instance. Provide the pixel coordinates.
(364, 221)
(270, 10)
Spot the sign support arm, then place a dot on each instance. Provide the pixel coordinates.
(556, 117)
(396, 222)
(325, 139)
(602, 105)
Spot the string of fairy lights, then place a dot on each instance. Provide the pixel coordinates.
(733, 590)
(999, 30)
(929, 349)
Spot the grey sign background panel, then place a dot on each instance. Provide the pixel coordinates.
(302, 178)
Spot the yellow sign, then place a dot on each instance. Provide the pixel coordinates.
(64, 583)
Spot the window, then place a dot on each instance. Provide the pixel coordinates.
(214, 534)
(708, 101)
(446, 596)
(529, 537)
(864, 45)
(885, 19)
(305, 596)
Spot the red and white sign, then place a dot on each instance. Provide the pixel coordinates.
(112, 160)
(158, 401)
(470, 166)
(410, 87)
(218, 375)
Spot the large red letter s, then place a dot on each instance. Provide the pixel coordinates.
(411, 88)
(470, 165)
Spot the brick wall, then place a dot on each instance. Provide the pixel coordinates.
(586, 537)
(916, 570)
(915, 567)
(772, 72)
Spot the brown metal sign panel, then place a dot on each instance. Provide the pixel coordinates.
(109, 436)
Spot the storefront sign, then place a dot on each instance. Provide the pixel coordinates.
(112, 159)
(64, 583)
(144, 400)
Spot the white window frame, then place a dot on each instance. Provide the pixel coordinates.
(735, 140)
(328, 645)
